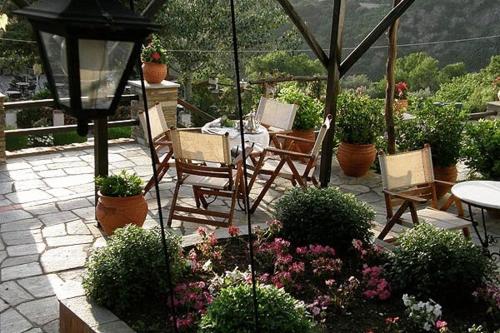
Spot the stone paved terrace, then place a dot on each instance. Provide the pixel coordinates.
(47, 226)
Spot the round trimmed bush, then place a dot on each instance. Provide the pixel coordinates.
(130, 272)
(438, 264)
(324, 216)
(231, 312)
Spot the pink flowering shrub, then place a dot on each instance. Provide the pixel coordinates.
(190, 300)
(490, 295)
(376, 287)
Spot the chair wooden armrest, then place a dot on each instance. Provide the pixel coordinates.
(294, 138)
(277, 151)
(196, 129)
(405, 197)
(444, 182)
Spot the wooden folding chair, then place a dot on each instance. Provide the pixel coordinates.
(277, 117)
(203, 161)
(160, 132)
(408, 180)
(275, 162)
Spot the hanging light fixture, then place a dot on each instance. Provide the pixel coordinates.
(88, 49)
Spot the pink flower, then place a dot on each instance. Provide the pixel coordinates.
(201, 231)
(369, 294)
(301, 250)
(233, 231)
(155, 55)
(441, 324)
(391, 320)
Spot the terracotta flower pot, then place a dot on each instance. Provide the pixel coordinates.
(356, 159)
(116, 212)
(153, 72)
(400, 105)
(303, 147)
(448, 174)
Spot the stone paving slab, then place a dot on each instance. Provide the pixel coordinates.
(48, 227)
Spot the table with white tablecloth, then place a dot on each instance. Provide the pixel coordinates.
(259, 137)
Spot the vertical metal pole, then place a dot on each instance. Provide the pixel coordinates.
(245, 171)
(332, 89)
(100, 149)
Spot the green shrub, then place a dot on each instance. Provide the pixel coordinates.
(130, 272)
(61, 139)
(481, 149)
(231, 312)
(15, 142)
(439, 264)
(120, 185)
(439, 126)
(310, 112)
(119, 132)
(360, 118)
(324, 216)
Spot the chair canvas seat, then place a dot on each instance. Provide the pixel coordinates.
(271, 164)
(207, 182)
(439, 219)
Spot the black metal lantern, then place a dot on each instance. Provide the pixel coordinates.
(88, 49)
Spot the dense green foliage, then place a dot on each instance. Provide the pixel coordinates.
(119, 185)
(310, 112)
(481, 149)
(324, 216)
(360, 118)
(439, 126)
(129, 273)
(231, 312)
(474, 90)
(119, 132)
(60, 139)
(418, 70)
(283, 63)
(440, 264)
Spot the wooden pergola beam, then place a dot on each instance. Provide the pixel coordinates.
(152, 8)
(332, 88)
(375, 34)
(304, 30)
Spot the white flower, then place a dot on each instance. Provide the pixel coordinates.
(437, 310)
(406, 300)
(207, 266)
(427, 327)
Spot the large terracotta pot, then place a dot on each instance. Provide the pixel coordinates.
(153, 72)
(448, 174)
(400, 105)
(356, 159)
(303, 147)
(115, 212)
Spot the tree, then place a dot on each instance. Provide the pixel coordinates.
(418, 70)
(197, 34)
(283, 63)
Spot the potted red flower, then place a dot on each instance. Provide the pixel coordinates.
(154, 60)
(401, 95)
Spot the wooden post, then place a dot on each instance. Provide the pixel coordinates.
(389, 91)
(3, 145)
(332, 89)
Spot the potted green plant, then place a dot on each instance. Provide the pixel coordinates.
(481, 151)
(154, 60)
(441, 126)
(308, 117)
(120, 201)
(360, 122)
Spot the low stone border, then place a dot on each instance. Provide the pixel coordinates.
(80, 315)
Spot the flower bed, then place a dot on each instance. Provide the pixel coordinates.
(300, 287)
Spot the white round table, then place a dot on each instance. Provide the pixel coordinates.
(261, 137)
(483, 194)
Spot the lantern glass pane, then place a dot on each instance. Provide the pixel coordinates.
(102, 64)
(55, 49)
